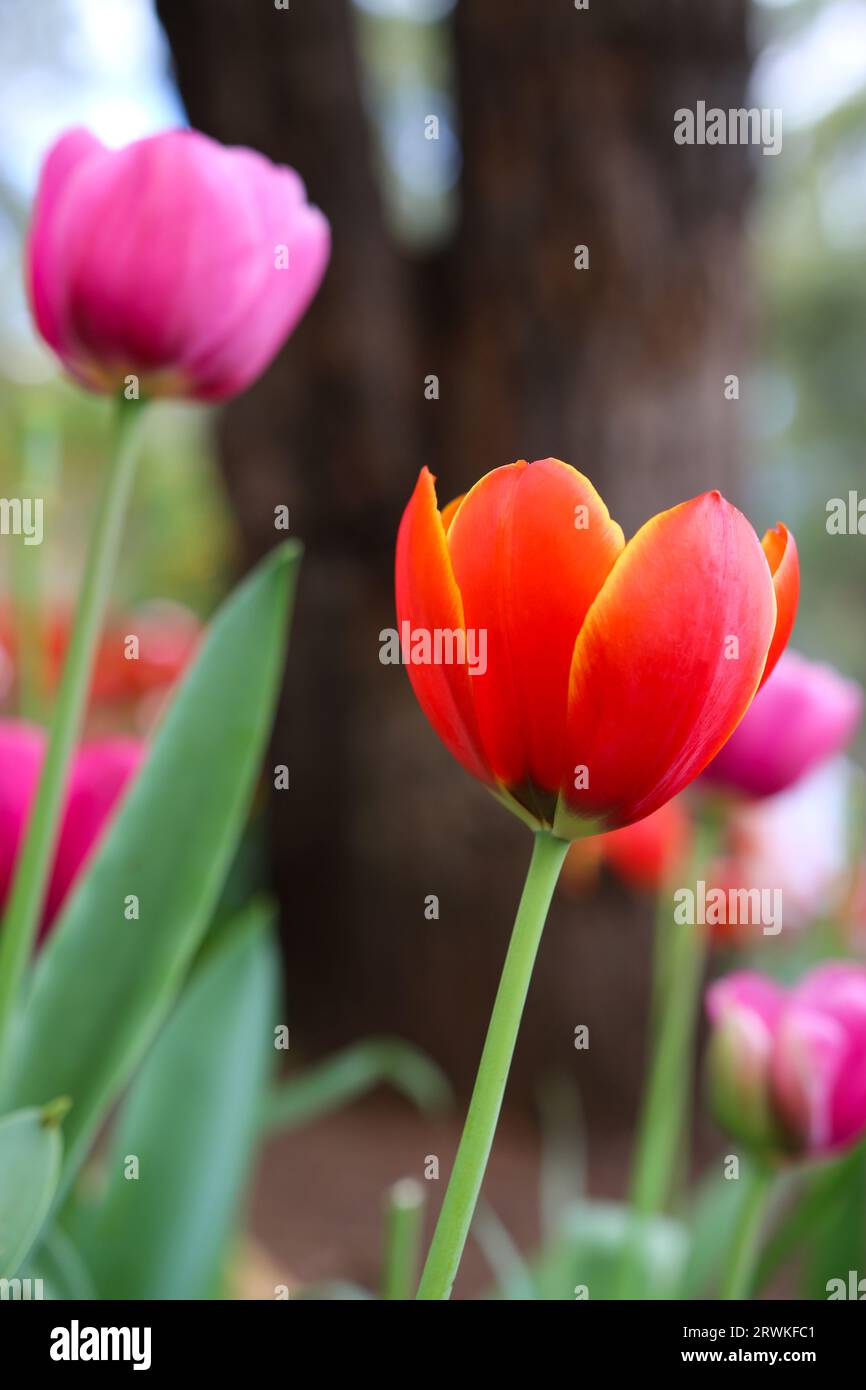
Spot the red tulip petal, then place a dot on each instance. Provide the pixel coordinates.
(648, 852)
(780, 549)
(429, 599)
(449, 511)
(531, 546)
(656, 684)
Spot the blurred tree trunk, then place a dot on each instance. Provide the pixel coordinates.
(567, 134)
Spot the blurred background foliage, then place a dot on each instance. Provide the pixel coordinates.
(809, 244)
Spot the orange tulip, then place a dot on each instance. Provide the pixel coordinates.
(612, 672)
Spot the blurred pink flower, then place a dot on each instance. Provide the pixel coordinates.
(175, 259)
(805, 714)
(100, 773)
(22, 748)
(796, 842)
(789, 1066)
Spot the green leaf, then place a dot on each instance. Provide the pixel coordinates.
(341, 1079)
(838, 1240)
(30, 1154)
(103, 984)
(191, 1121)
(821, 1215)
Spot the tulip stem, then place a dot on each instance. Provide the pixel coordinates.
(467, 1174)
(678, 967)
(34, 861)
(666, 1101)
(404, 1216)
(39, 447)
(738, 1276)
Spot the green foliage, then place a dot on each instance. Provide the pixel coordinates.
(588, 1252)
(103, 984)
(189, 1126)
(339, 1080)
(30, 1151)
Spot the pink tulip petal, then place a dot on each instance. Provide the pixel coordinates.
(44, 254)
(749, 993)
(810, 1050)
(804, 715)
(282, 299)
(100, 775)
(160, 260)
(22, 748)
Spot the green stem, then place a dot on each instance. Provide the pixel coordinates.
(34, 862)
(39, 446)
(738, 1275)
(682, 948)
(403, 1217)
(665, 1107)
(679, 953)
(467, 1174)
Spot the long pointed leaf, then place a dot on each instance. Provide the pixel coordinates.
(103, 983)
(190, 1122)
(30, 1150)
(338, 1080)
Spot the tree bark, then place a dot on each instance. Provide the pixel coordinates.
(567, 121)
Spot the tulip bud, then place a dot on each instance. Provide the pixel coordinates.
(743, 1009)
(819, 1069)
(172, 266)
(805, 715)
(788, 1067)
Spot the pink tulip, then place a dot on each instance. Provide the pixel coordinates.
(175, 259)
(100, 773)
(804, 715)
(22, 748)
(789, 1066)
(744, 1010)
